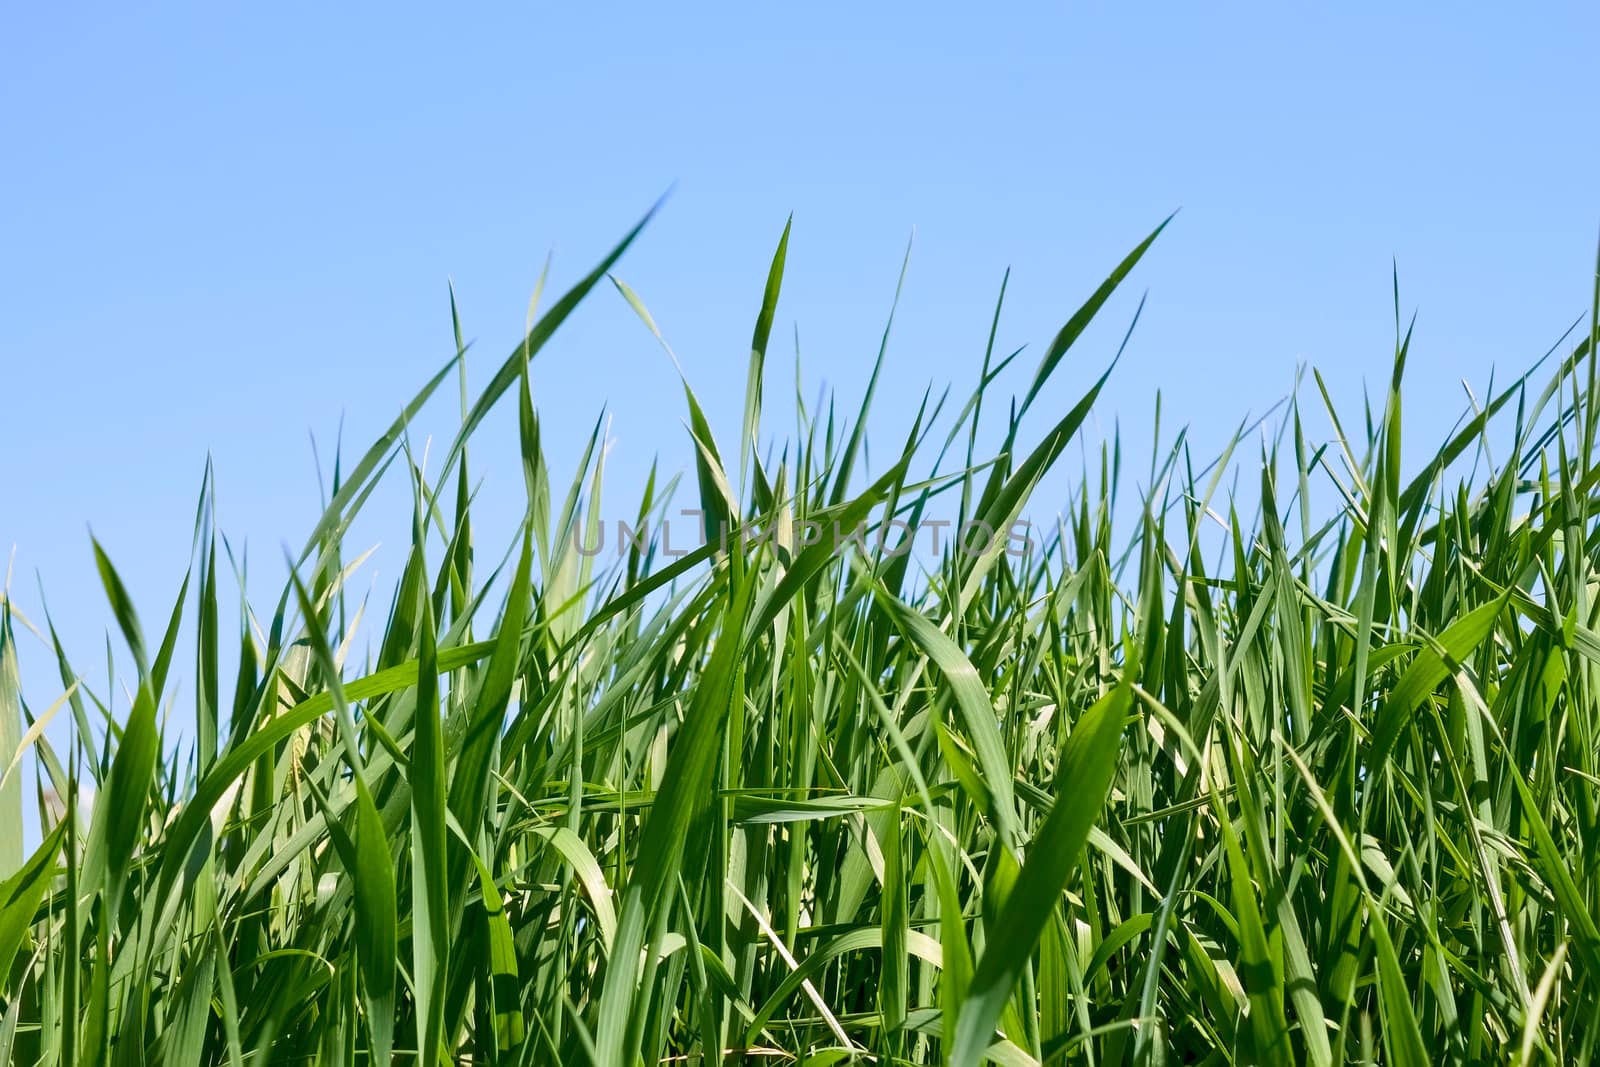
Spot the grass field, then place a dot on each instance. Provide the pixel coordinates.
(1175, 785)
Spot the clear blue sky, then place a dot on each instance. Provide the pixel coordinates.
(223, 227)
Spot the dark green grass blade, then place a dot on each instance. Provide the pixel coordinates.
(1088, 765)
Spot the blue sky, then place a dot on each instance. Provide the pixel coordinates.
(226, 227)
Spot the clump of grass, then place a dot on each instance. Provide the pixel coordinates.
(1185, 788)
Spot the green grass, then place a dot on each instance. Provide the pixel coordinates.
(1177, 786)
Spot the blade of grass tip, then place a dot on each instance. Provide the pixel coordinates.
(1074, 327)
(845, 465)
(122, 609)
(358, 482)
(1088, 765)
(718, 504)
(974, 403)
(758, 353)
(535, 472)
(1003, 498)
(207, 708)
(1593, 391)
(27, 741)
(536, 338)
